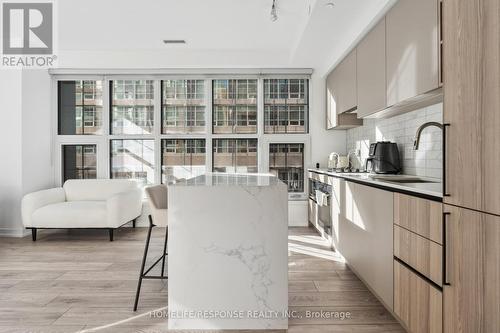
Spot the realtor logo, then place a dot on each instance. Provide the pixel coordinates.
(27, 29)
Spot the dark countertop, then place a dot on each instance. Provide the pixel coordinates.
(433, 191)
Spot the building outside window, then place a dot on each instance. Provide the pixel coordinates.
(132, 106)
(182, 159)
(285, 105)
(126, 126)
(80, 107)
(286, 161)
(183, 106)
(133, 159)
(235, 155)
(234, 106)
(79, 162)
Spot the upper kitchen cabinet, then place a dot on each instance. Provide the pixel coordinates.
(342, 95)
(412, 46)
(371, 85)
(471, 104)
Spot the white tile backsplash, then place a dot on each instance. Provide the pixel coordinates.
(426, 161)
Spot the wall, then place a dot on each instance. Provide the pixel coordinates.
(10, 146)
(38, 162)
(323, 141)
(426, 161)
(25, 141)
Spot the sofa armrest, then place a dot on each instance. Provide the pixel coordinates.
(35, 200)
(124, 207)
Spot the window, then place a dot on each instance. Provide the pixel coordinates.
(183, 106)
(161, 135)
(133, 159)
(286, 161)
(235, 155)
(79, 162)
(79, 107)
(235, 106)
(285, 105)
(132, 106)
(182, 159)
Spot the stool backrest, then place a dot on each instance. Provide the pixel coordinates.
(158, 203)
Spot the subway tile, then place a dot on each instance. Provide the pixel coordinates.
(427, 161)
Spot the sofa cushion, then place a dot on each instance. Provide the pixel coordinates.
(96, 189)
(71, 214)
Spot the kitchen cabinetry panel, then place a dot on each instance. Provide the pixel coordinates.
(346, 74)
(341, 94)
(365, 237)
(416, 302)
(421, 254)
(472, 103)
(312, 212)
(472, 298)
(412, 49)
(371, 72)
(421, 216)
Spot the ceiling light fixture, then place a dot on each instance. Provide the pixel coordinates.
(274, 13)
(174, 41)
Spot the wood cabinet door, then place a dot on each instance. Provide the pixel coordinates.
(348, 87)
(420, 216)
(472, 103)
(472, 248)
(370, 57)
(417, 303)
(422, 254)
(412, 49)
(332, 97)
(341, 95)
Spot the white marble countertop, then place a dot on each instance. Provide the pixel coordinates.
(434, 189)
(231, 179)
(227, 252)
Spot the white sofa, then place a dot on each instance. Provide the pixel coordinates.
(83, 203)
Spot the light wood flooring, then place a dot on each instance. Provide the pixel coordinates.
(78, 281)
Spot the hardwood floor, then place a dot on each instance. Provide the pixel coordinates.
(78, 281)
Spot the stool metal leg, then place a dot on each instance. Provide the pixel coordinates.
(164, 253)
(146, 247)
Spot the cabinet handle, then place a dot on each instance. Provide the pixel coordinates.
(445, 193)
(445, 249)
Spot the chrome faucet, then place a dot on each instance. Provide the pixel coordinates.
(421, 128)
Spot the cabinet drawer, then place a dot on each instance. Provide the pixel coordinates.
(423, 255)
(424, 217)
(417, 303)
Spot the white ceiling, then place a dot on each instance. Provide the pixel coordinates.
(308, 33)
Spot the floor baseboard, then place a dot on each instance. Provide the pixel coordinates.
(14, 232)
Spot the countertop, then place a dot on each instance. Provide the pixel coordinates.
(433, 190)
(231, 179)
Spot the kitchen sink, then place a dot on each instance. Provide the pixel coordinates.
(402, 179)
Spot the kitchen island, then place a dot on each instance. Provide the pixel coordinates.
(227, 252)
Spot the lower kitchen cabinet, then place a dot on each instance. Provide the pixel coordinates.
(420, 253)
(365, 237)
(417, 303)
(472, 275)
(312, 212)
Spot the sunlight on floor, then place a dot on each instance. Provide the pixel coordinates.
(313, 246)
(120, 322)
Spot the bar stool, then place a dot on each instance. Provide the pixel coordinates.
(158, 203)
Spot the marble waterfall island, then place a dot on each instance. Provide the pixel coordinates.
(227, 253)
